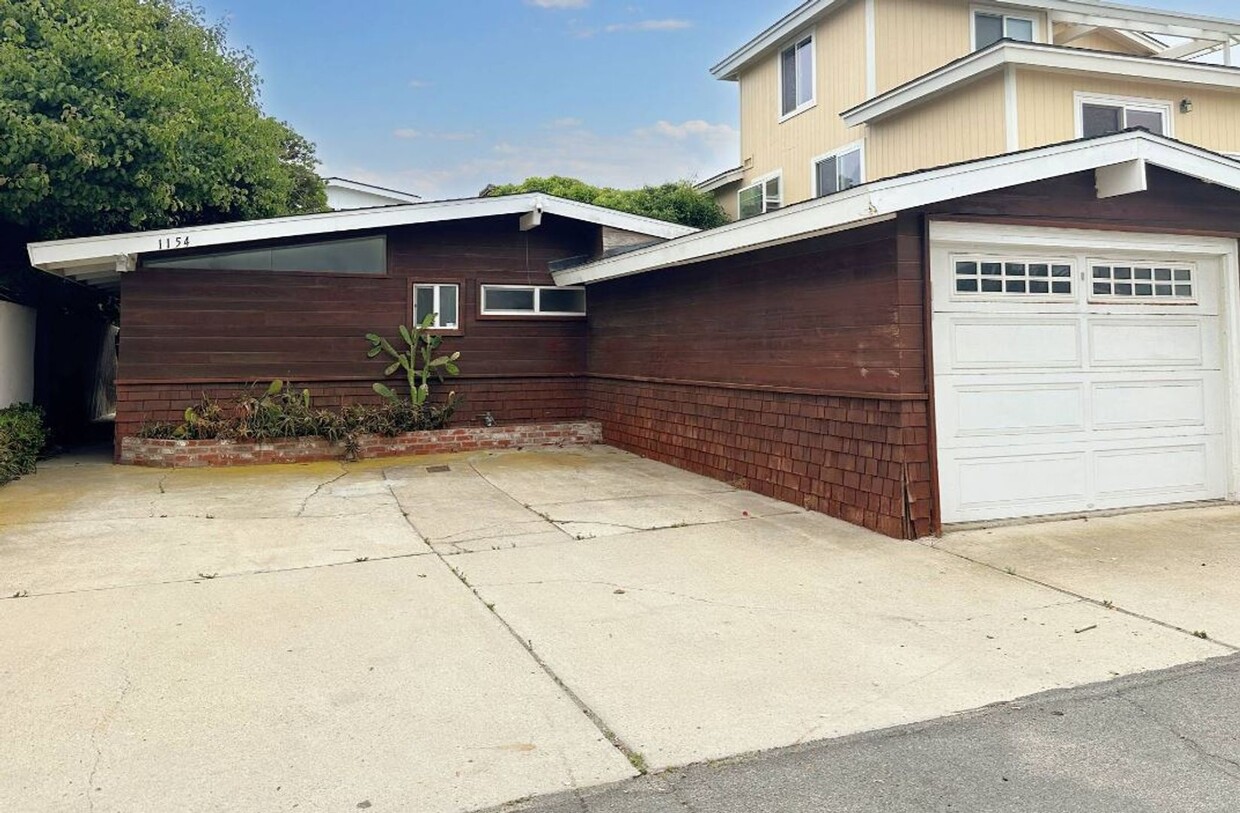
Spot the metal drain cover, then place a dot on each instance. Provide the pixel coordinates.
(437, 469)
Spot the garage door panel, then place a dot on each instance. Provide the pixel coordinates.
(1152, 474)
(1152, 404)
(980, 343)
(1150, 342)
(1003, 410)
(1015, 485)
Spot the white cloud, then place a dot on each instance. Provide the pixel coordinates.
(649, 25)
(661, 152)
(694, 128)
(405, 132)
(418, 84)
(558, 3)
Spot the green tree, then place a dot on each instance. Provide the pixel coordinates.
(676, 202)
(135, 114)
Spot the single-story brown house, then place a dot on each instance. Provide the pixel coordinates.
(1047, 332)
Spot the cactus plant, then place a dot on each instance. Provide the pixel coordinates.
(419, 362)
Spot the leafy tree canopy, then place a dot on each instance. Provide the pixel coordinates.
(677, 202)
(136, 114)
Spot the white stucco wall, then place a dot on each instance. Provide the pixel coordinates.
(16, 354)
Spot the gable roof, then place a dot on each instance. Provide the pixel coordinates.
(1040, 56)
(390, 196)
(101, 260)
(1106, 15)
(875, 202)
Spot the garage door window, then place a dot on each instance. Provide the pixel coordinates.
(1004, 277)
(1143, 282)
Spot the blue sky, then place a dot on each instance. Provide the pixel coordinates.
(440, 97)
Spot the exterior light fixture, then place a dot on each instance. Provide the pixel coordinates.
(1186, 105)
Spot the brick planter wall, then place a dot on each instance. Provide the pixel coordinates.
(511, 400)
(200, 453)
(863, 460)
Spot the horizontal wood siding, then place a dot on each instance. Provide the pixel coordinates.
(184, 333)
(182, 325)
(796, 371)
(820, 315)
(1173, 204)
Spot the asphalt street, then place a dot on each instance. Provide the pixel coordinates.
(1160, 741)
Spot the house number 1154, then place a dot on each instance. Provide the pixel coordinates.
(172, 242)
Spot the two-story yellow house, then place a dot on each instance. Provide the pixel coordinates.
(841, 92)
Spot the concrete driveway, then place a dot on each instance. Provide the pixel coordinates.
(450, 633)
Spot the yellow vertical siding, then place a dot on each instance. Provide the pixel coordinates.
(916, 36)
(959, 126)
(767, 144)
(1047, 108)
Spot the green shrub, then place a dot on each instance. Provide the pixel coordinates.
(282, 412)
(22, 437)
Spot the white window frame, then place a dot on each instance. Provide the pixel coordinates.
(537, 289)
(1154, 299)
(795, 42)
(1163, 106)
(762, 181)
(1016, 256)
(857, 146)
(437, 287)
(1006, 14)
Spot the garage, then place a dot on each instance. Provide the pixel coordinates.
(1078, 370)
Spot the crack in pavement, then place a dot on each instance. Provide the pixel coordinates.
(1106, 605)
(344, 472)
(633, 756)
(220, 576)
(105, 720)
(1228, 766)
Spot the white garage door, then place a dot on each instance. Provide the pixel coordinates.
(1073, 374)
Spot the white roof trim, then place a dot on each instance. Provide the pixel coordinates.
(1047, 57)
(722, 179)
(882, 200)
(73, 256)
(394, 195)
(1107, 15)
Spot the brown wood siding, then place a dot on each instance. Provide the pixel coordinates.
(836, 314)
(182, 325)
(796, 371)
(1173, 204)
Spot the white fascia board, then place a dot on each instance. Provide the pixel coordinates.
(99, 252)
(788, 25)
(882, 200)
(722, 179)
(1105, 15)
(371, 189)
(1045, 57)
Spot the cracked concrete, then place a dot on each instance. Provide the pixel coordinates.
(433, 629)
(1092, 749)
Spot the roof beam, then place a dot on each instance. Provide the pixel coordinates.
(1074, 33)
(1125, 178)
(1190, 49)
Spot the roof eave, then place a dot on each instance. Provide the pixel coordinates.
(883, 200)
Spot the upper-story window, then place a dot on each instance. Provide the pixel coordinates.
(1102, 115)
(796, 76)
(991, 26)
(839, 170)
(759, 198)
